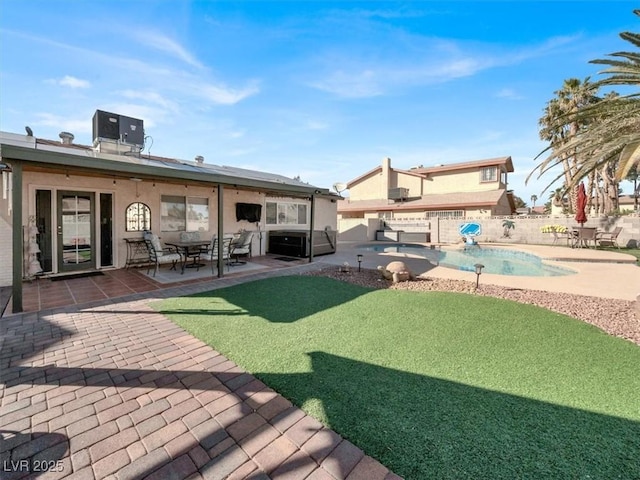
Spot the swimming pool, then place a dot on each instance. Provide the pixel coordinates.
(499, 261)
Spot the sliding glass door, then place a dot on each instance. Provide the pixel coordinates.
(75, 229)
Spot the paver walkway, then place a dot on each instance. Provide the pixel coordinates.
(116, 390)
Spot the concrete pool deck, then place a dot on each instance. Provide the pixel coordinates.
(599, 273)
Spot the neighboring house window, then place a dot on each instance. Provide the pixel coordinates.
(446, 214)
(489, 174)
(285, 213)
(179, 214)
(137, 217)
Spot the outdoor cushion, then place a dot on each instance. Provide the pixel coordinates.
(155, 241)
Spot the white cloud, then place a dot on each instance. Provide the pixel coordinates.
(509, 94)
(380, 79)
(316, 125)
(71, 82)
(424, 61)
(168, 46)
(196, 86)
(350, 85)
(150, 97)
(75, 126)
(224, 95)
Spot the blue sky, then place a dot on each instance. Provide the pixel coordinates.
(323, 90)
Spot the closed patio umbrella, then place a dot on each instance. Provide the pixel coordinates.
(581, 215)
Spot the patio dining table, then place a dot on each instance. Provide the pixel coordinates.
(190, 249)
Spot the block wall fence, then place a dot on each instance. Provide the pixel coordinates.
(527, 229)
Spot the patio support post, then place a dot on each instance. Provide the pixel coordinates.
(311, 226)
(17, 234)
(220, 259)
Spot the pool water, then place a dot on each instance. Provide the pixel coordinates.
(495, 260)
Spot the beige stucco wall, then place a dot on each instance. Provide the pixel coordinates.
(124, 193)
(326, 214)
(409, 215)
(403, 180)
(6, 265)
(374, 187)
(503, 207)
(150, 192)
(478, 212)
(458, 181)
(369, 188)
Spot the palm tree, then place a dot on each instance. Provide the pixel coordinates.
(533, 200)
(560, 125)
(634, 176)
(611, 127)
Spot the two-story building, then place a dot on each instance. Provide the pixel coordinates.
(460, 190)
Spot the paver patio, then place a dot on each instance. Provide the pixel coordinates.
(114, 389)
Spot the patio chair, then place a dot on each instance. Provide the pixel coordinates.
(609, 238)
(213, 252)
(241, 246)
(566, 235)
(159, 255)
(586, 235)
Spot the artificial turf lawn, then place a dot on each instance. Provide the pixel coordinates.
(433, 384)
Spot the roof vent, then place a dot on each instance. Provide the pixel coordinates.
(66, 137)
(199, 159)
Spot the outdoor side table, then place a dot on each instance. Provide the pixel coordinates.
(137, 253)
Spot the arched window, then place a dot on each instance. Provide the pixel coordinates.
(138, 217)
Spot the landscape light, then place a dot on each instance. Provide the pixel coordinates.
(479, 268)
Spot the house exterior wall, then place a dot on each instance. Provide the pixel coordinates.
(6, 266)
(369, 188)
(478, 212)
(414, 183)
(458, 181)
(373, 189)
(326, 214)
(126, 192)
(503, 207)
(376, 186)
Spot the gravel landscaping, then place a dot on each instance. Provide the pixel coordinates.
(616, 317)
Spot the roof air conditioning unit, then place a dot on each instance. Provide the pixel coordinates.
(398, 193)
(112, 126)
